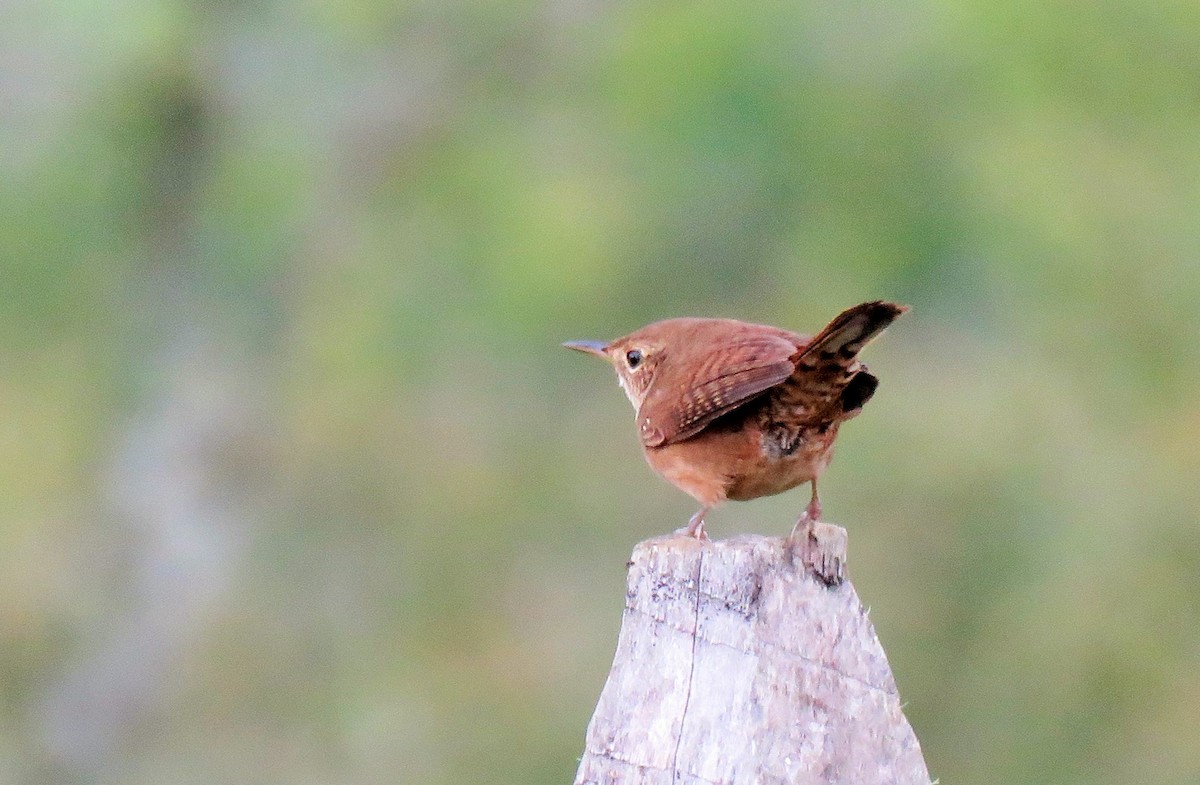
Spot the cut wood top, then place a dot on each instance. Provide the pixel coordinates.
(736, 666)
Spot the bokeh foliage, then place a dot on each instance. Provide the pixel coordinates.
(298, 486)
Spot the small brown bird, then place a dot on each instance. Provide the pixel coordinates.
(731, 410)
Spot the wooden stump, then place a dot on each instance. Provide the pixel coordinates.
(736, 667)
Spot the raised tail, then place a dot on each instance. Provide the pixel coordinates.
(829, 377)
(851, 330)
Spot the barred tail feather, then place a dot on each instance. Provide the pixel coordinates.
(829, 381)
(843, 338)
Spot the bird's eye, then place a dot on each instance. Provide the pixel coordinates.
(633, 358)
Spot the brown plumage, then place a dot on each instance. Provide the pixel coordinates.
(731, 410)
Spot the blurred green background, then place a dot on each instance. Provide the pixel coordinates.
(297, 485)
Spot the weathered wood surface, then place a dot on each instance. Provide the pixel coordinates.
(762, 676)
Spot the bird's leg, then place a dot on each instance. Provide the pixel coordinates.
(821, 546)
(695, 527)
(813, 511)
(811, 514)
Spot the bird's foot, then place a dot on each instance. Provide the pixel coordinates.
(821, 547)
(695, 527)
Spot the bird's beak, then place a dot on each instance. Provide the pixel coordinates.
(591, 347)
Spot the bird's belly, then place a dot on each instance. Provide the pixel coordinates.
(776, 475)
(734, 464)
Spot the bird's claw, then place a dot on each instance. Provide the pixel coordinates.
(700, 534)
(695, 527)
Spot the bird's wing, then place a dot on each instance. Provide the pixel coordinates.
(732, 374)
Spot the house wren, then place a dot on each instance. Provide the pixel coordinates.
(731, 410)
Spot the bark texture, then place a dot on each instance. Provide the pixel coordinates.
(736, 667)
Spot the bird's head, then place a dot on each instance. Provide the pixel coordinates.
(636, 359)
